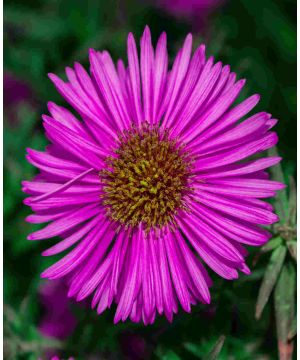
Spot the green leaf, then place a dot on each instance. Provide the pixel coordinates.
(271, 245)
(285, 294)
(269, 280)
(167, 355)
(293, 330)
(193, 348)
(292, 246)
(214, 353)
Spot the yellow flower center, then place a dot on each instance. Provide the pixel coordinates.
(147, 180)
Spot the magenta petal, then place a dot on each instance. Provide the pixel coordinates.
(127, 297)
(147, 61)
(179, 75)
(160, 74)
(134, 71)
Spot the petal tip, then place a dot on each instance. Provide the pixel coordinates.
(44, 275)
(53, 77)
(147, 30)
(31, 237)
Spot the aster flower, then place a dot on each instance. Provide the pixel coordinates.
(151, 181)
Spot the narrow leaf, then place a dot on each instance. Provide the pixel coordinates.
(285, 293)
(293, 330)
(292, 246)
(272, 244)
(269, 280)
(214, 353)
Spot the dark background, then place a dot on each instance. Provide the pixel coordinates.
(257, 38)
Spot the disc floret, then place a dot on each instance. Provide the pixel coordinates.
(147, 180)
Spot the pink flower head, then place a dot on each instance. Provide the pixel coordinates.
(151, 181)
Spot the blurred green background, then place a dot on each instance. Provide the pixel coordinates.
(257, 38)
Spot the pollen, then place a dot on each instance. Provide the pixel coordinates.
(147, 180)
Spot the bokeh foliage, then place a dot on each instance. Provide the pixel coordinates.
(257, 38)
